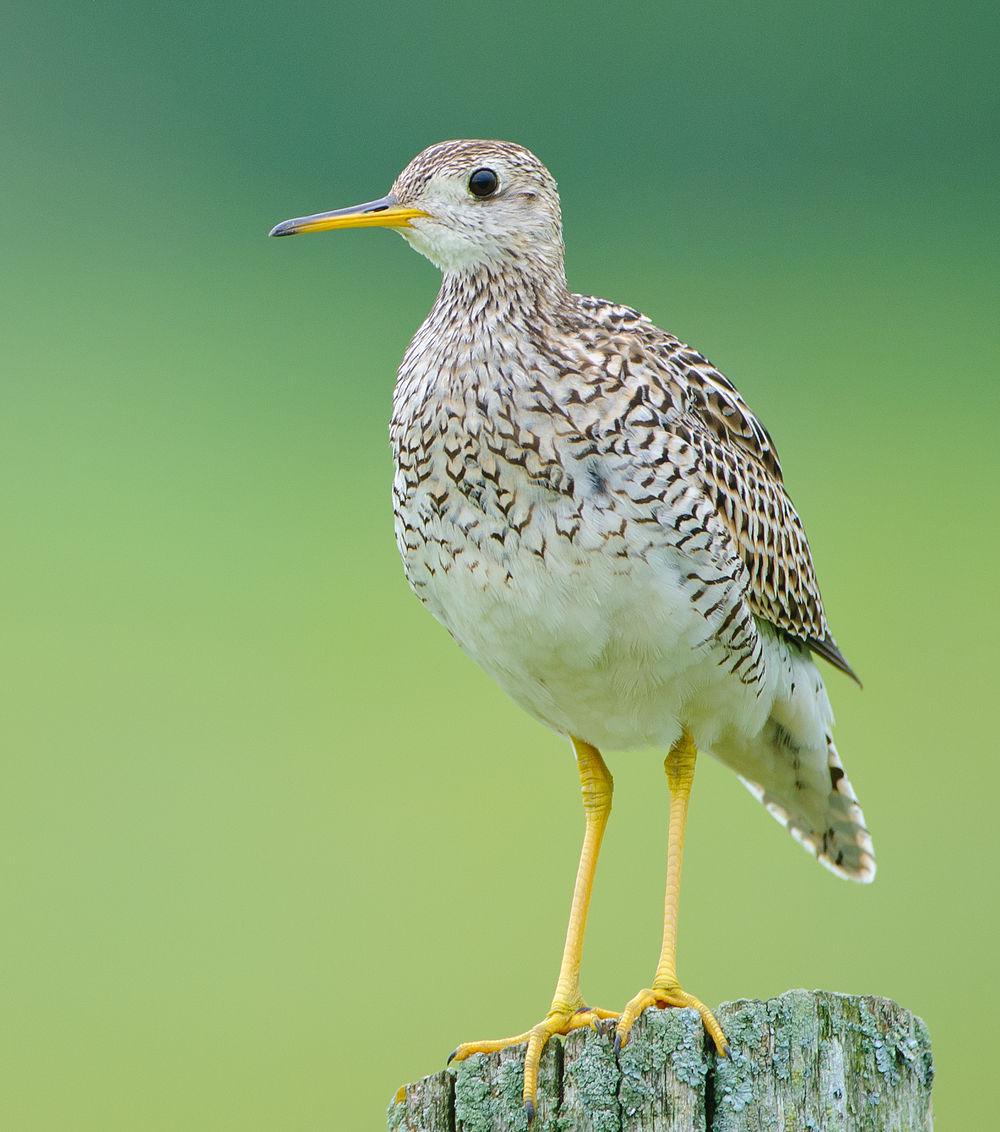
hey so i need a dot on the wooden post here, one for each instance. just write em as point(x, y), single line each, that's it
point(808, 1060)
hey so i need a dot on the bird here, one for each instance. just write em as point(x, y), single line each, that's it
point(600, 521)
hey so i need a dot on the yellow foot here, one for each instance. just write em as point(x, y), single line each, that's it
point(669, 996)
point(555, 1022)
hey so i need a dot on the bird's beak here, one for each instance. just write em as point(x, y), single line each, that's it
point(383, 213)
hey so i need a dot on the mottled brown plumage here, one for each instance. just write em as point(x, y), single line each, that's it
point(601, 522)
point(558, 454)
point(643, 379)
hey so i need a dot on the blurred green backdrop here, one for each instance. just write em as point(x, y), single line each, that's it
point(271, 845)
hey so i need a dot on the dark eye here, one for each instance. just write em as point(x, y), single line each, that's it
point(483, 183)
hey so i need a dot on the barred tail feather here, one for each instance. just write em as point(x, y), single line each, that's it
point(806, 790)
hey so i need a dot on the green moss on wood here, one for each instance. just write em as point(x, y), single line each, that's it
point(663, 1070)
point(590, 1084)
point(488, 1092)
point(823, 1061)
point(802, 1062)
point(426, 1107)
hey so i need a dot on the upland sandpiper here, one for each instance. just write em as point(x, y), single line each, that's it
point(596, 516)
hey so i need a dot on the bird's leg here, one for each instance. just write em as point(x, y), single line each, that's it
point(666, 989)
point(568, 1010)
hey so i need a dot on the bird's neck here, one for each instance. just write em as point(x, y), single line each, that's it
point(518, 294)
point(482, 314)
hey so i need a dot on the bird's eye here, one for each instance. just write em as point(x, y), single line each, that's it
point(483, 183)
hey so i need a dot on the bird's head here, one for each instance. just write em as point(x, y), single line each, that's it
point(464, 205)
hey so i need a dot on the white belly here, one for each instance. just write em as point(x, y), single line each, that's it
point(606, 648)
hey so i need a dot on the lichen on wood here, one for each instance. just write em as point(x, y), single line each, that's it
point(806, 1061)
point(825, 1062)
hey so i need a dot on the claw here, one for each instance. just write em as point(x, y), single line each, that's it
point(451, 1056)
point(727, 1051)
point(669, 996)
point(560, 1021)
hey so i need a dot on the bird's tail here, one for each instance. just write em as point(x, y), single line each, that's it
point(804, 787)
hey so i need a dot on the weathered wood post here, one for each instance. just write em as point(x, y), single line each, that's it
point(807, 1061)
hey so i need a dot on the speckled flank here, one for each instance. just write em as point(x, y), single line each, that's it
point(596, 515)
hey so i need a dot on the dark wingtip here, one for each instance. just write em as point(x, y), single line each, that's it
point(827, 649)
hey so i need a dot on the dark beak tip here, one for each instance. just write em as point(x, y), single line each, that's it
point(283, 229)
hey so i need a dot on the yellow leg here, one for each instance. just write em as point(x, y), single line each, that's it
point(666, 990)
point(568, 1011)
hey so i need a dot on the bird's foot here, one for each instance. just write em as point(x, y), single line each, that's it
point(559, 1020)
point(672, 995)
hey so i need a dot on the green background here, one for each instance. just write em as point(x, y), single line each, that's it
point(270, 844)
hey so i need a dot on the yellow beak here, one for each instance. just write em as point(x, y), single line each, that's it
point(383, 213)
